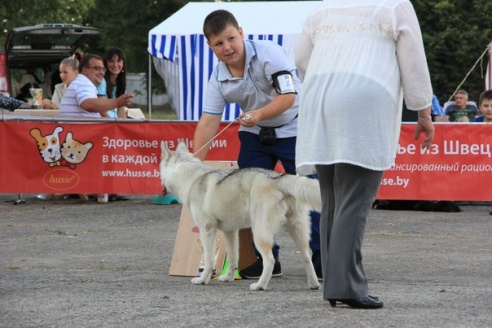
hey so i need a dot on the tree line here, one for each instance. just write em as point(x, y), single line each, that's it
point(455, 32)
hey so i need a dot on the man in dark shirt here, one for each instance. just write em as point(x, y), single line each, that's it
point(461, 110)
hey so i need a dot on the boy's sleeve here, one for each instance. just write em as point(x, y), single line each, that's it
point(214, 102)
point(277, 61)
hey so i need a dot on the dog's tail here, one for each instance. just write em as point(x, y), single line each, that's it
point(303, 189)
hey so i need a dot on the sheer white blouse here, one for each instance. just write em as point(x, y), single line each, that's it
point(359, 58)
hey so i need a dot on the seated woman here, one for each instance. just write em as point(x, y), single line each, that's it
point(114, 83)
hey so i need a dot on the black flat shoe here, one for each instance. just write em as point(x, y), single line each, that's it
point(115, 198)
point(359, 303)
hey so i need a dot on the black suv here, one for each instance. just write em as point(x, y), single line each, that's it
point(32, 56)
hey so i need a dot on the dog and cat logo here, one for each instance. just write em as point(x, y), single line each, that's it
point(70, 153)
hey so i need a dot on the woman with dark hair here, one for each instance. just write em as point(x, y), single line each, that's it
point(112, 86)
point(114, 83)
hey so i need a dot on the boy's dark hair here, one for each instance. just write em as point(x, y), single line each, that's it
point(85, 61)
point(217, 21)
point(487, 94)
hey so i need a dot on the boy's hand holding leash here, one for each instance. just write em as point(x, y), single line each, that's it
point(247, 120)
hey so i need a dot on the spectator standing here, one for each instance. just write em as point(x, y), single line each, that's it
point(112, 86)
point(114, 83)
point(356, 57)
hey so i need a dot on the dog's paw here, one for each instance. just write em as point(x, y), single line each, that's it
point(225, 278)
point(256, 286)
point(314, 286)
point(199, 281)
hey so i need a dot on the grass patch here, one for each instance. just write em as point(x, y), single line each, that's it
point(162, 112)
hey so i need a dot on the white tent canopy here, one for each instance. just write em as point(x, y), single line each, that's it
point(183, 59)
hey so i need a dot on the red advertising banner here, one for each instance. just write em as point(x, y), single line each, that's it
point(458, 166)
point(123, 157)
point(93, 158)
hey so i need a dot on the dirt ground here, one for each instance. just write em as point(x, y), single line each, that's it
point(65, 263)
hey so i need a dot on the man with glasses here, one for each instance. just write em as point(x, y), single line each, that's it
point(81, 98)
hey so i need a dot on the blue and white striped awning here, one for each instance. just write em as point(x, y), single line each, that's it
point(184, 60)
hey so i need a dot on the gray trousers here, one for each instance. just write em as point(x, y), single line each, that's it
point(347, 193)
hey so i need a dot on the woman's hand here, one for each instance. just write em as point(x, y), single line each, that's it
point(427, 128)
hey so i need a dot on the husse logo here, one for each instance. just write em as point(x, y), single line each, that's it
point(63, 157)
point(61, 179)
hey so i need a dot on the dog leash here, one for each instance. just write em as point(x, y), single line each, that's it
point(218, 134)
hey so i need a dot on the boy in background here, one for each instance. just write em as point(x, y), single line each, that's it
point(485, 107)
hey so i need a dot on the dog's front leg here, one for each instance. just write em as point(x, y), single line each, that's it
point(207, 237)
point(232, 249)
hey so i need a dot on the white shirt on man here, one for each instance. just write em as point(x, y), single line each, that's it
point(77, 92)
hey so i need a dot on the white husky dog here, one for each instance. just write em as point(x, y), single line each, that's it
point(230, 200)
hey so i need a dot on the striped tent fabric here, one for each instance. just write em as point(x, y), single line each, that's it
point(185, 62)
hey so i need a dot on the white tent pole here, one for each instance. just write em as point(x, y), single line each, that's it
point(149, 88)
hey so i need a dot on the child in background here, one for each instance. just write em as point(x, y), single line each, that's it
point(69, 69)
point(485, 107)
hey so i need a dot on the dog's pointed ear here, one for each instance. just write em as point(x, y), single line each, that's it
point(182, 148)
point(164, 150)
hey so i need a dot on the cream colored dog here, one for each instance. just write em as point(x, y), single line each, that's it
point(230, 200)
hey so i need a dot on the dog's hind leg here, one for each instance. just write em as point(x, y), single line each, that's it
point(207, 238)
point(266, 220)
point(264, 247)
point(299, 228)
point(232, 249)
point(264, 240)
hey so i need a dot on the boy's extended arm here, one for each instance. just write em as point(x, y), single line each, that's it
point(207, 127)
